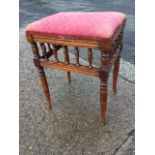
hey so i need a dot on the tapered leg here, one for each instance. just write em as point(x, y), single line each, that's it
point(44, 85)
point(103, 84)
point(115, 74)
point(103, 101)
point(119, 45)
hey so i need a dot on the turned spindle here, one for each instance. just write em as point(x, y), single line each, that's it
point(43, 48)
point(49, 47)
point(55, 53)
point(66, 55)
point(67, 61)
point(77, 56)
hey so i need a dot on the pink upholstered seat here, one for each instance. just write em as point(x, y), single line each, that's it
point(79, 25)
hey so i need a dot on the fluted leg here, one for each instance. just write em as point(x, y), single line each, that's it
point(115, 74)
point(44, 85)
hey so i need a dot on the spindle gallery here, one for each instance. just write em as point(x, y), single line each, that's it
point(100, 30)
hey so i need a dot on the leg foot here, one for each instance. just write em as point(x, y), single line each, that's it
point(69, 77)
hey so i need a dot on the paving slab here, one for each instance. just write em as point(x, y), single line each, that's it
point(73, 126)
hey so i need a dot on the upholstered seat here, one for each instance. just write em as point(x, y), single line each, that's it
point(79, 25)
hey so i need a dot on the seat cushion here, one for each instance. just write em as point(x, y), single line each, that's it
point(79, 25)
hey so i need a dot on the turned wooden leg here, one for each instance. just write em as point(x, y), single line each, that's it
point(115, 74)
point(44, 85)
point(103, 84)
point(103, 101)
point(66, 57)
point(41, 73)
point(119, 45)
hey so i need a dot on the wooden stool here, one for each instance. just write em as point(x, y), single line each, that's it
point(101, 30)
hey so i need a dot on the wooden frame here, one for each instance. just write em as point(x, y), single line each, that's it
point(110, 55)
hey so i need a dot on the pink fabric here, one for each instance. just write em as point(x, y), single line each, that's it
point(88, 25)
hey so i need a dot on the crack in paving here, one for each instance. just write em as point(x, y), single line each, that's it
point(130, 134)
point(126, 79)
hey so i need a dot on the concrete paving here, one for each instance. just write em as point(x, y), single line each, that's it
point(73, 126)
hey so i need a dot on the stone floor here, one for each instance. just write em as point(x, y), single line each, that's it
point(73, 126)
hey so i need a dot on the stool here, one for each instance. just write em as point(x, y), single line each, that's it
point(100, 30)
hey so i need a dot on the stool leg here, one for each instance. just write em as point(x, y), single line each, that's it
point(44, 85)
point(115, 74)
point(103, 101)
point(41, 73)
point(103, 84)
point(117, 62)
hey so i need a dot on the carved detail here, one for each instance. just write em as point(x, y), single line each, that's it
point(103, 86)
point(105, 61)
